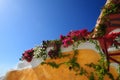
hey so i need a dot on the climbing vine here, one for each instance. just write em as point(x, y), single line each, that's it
point(52, 50)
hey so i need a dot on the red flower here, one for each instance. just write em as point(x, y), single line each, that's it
point(78, 34)
point(66, 42)
point(84, 33)
point(28, 55)
point(73, 36)
point(62, 37)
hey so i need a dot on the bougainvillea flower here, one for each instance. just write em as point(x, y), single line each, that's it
point(84, 32)
point(73, 36)
point(62, 37)
point(28, 55)
point(66, 42)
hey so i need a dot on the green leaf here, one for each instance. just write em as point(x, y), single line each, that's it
point(53, 64)
point(110, 76)
point(92, 76)
point(82, 71)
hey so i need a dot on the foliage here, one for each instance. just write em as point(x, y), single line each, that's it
point(118, 78)
point(97, 46)
point(101, 71)
point(52, 64)
point(74, 38)
point(100, 68)
point(110, 8)
point(40, 51)
point(56, 51)
point(73, 64)
point(100, 30)
point(113, 7)
point(92, 76)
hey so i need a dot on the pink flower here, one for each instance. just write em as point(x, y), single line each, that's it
point(62, 37)
point(66, 42)
point(83, 33)
point(73, 36)
point(28, 55)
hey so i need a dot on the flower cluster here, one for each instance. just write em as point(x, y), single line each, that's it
point(73, 36)
point(40, 51)
point(28, 55)
point(67, 41)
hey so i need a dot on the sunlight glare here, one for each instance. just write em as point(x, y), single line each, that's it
point(2, 4)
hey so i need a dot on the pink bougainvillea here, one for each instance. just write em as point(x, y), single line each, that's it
point(28, 55)
point(73, 36)
point(68, 41)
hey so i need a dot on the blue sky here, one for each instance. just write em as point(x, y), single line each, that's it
point(25, 23)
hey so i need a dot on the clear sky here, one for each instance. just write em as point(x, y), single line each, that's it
point(25, 23)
